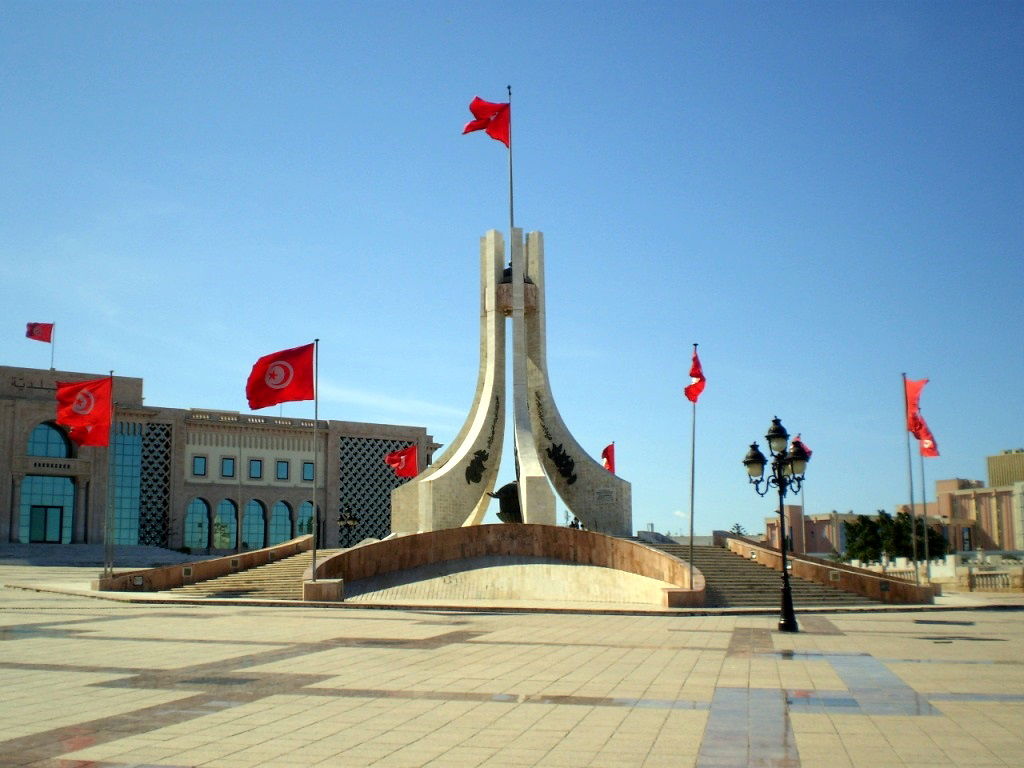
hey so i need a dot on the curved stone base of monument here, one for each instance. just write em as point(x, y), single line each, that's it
point(452, 491)
point(599, 499)
point(437, 553)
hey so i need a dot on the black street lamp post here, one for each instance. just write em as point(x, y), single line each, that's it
point(346, 524)
point(788, 467)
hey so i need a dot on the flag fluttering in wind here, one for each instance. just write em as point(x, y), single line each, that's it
point(608, 455)
point(281, 377)
point(405, 461)
point(798, 439)
point(697, 380)
point(84, 407)
point(494, 119)
point(916, 424)
point(39, 331)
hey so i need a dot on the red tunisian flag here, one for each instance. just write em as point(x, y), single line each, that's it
point(494, 119)
point(39, 331)
point(697, 380)
point(85, 406)
point(405, 461)
point(916, 424)
point(281, 378)
point(608, 454)
point(925, 442)
point(913, 391)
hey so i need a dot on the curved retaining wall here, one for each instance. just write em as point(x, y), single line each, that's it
point(838, 575)
point(171, 576)
point(523, 540)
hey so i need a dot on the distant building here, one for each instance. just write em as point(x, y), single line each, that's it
point(969, 514)
point(818, 535)
point(212, 481)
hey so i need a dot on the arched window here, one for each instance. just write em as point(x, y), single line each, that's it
point(50, 441)
point(197, 524)
point(253, 525)
point(225, 526)
point(304, 524)
point(280, 523)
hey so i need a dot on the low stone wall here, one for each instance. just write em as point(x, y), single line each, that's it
point(171, 576)
point(524, 540)
point(838, 575)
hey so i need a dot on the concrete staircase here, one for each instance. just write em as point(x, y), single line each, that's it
point(281, 580)
point(736, 582)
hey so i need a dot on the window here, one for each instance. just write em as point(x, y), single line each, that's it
point(253, 525)
point(199, 466)
point(224, 526)
point(307, 471)
point(280, 527)
point(47, 440)
point(227, 466)
point(282, 470)
point(197, 519)
point(255, 469)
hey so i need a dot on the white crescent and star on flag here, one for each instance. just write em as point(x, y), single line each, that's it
point(84, 403)
point(279, 374)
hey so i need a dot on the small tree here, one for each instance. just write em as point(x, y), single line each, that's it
point(738, 529)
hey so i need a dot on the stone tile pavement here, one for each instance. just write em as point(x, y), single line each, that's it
point(90, 682)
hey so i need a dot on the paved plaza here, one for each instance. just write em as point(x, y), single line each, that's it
point(90, 682)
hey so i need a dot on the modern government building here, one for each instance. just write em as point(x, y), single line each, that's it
point(209, 481)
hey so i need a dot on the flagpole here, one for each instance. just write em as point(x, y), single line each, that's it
point(53, 335)
point(240, 511)
point(316, 452)
point(511, 209)
point(924, 519)
point(693, 451)
point(108, 543)
point(910, 481)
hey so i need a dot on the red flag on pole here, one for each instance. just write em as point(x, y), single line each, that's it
point(916, 424)
point(608, 454)
point(493, 119)
point(85, 406)
point(281, 377)
point(697, 380)
point(798, 439)
point(405, 461)
point(39, 331)
point(925, 442)
point(913, 392)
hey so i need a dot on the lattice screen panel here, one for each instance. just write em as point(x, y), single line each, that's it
point(364, 487)
point(155, 490)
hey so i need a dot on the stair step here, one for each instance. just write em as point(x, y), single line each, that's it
point(735, 581)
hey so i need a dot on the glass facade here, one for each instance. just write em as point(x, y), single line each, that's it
point(280, 528)
point(197, 524)
point(253, 525)
point(126, 452)
point(225, 526)
point(47, 509)
point(304, 524)
point(48, 440)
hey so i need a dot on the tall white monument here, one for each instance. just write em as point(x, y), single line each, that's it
point(455, 490)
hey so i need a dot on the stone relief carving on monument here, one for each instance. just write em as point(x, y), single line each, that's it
point(475, 470)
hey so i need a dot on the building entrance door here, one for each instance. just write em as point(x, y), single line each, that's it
point(45, 524)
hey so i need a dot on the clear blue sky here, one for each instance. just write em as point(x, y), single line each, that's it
point(823, 195)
